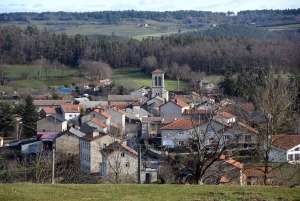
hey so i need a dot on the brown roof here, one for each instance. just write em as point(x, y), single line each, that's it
point(226, 115)
point(195, 93)
point(181, 124)
point(179, 102)
point(90, 137)
point(248, 127)
point(221, 122)
point(72, 108)
point(52, 110)
point(232, 162)
point(257, 171)
point(115, 146)
point(51, 102)
point(101, 112)
point(120, 106)
point(195, 111)
point(118, 110)
point(158, 71)
point(286, 142)
point(100, 123)
point(41, 97)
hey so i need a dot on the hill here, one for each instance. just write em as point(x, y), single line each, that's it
point(28, 191)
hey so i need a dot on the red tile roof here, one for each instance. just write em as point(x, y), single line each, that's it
point(226, 115)
point(179, 102)
point(248, 127)
point(52, 110)
point(257, 171)
point(232, 162)
point(116, 146)
point(286, 142)
point(181, 124)
point(195, 93)
point(118, 110)
point(101, 112)
point(158, 71)
point(72, 108)
point(100, 123)
point(221, 122)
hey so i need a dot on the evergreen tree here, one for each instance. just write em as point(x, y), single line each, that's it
point(7, 124)
point(29, 117)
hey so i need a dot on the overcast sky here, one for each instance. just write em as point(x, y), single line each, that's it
point(151, 5)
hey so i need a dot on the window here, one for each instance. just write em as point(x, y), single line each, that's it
point(122, 154)
point(70, 115)
point(104, 145)
point(127, 164)
point(118, 164)
point(297, 157)
point(290, 157)
point(180, 133)
point(181, 143)
point(247, 138)
point(297, 149)
point(227, 137)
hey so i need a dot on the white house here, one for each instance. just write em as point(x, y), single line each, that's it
point(225, 117)
point(173, 108)
point(117, 116)
point(285, 148)
point(71, 112)
point(207, 105)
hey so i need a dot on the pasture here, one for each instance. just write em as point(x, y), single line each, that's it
point(164, 192)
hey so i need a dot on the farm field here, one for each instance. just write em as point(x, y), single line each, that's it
point(135, 79)
point(29, 191)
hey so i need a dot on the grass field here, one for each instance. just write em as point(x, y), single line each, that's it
point(135, 79)
point(27, 191)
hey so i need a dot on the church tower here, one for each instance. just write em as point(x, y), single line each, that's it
point(158, 85)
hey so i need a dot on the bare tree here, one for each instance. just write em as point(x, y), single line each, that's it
point(38, 67)
point(274, 97)
point(4, 71)
point(95, 70)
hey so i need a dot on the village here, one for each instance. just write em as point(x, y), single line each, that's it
point(153, 136)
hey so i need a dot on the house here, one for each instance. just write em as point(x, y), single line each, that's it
point(240, 136)
point(153, 105)
point(140, 92)
point(71, 112)
point(178, 133)
point(150, 127)
point(225, 117)
point(205, 86)
point(137, 112)
point(48, 139)
point(285, 148)
point(207, 105)
point(67, 143)
point(255, 175)
point(31, 147)
point(90, 146)
point(197, 114)
point(40, 104)
point(89, 126)
point(50, 111)
point(52, 123)
point(98, 114)
point(117, 116)
point(119, 164)
point(173, 108)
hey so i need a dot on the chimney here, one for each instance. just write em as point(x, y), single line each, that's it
point(95, 133)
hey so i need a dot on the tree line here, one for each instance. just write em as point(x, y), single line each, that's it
point(199, 54)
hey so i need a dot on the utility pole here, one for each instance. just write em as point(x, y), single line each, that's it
point(177, 84)
point(53, 164)
point(139, 164)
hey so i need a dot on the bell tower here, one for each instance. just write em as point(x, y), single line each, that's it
point(158, 85)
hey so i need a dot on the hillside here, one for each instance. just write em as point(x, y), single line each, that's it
point(27, 191)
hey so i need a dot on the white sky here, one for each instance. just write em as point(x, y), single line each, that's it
point(151, 5)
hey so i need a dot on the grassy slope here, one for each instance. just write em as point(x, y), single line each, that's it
point(27, 191)
point(135, 79)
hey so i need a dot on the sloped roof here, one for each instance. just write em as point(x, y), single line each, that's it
point(232, 162)
point(257, 171)
point(52, 110)
point(285, 141)
point(196, 111)
point(165, 120)
point(120, 106)
point(118, 110)
point(158, 71)
point(180, 124)
point(89, 137)
point(51, 102)
point(57, 117)
point(248, 127)
point(76, 132)
point(226, 115)
point(48, 135)
point(115, 146)
point(100, 123)
point(101, 112)
point(72, 108)
point(221, 122)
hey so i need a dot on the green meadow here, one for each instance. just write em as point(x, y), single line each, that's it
point(163, 192)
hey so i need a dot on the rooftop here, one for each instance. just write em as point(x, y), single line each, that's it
point(101, 112)
point(285, 141)
point(158, 71)
point(180, 124)
point(72, 108)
